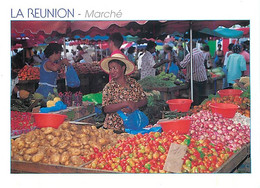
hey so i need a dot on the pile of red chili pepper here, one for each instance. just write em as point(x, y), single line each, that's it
point(147, 154)
point(21, 122)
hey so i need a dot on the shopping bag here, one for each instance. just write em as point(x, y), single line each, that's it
point(136, 120)
point(145, 130)
point(93, 97)
point(174, 69)
point(72, 77)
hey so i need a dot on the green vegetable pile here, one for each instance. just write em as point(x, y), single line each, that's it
point(164, 76)
point(150, 82)
point(154, 107)
point(175, 114)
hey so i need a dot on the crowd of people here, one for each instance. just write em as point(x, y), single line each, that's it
point(123, 92)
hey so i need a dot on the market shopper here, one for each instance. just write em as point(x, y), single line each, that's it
point(170, 60)
point(49, 68)
point(147, 62)
point(228, 53)
point(218, 57)
point(207, 60)
point(236, 65)
point(246, 55)
point(83, 55)
point(130, 54)
point(122, 92)
point(199, 73)
point(181, 52)
point(115, 41)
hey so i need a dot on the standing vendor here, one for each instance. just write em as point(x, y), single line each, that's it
point(199, 73)
point(122, 92)
point(49, 68)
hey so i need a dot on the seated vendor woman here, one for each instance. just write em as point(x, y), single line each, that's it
point(122, 92)
point(49, 68)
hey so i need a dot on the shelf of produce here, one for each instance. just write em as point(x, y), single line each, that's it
point(30, 167)
point(169, 92)
point(214, 84)
point(233, 162)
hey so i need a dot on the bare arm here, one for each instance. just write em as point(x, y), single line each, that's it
point(127, 106)
point(55, 66)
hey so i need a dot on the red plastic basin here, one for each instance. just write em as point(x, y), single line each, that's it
point(182, 105)
point(48, 120)
point(225, 109)
point(181, 126)
point(230, 92)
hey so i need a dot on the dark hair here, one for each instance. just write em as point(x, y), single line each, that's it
point(167, 47)
point(244, 46)
point(121, 63)
point(131, 50)
point(236, 48)
point(117, 39)
point(230, 46)
point(52, 48)
point(206, 48)
point(79, 47)
point(13, 74)
point(150, 45)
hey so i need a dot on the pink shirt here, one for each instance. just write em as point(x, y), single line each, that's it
point(246, 55)
point(118, 52)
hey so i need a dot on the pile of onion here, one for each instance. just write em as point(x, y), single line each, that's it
point(212, 126)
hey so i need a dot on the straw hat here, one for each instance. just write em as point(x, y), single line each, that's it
point(130, 67)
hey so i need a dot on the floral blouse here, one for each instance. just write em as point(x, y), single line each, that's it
point(114, 93)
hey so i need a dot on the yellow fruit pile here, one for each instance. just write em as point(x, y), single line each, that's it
point(51, 103)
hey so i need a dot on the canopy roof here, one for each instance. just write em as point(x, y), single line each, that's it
point(141, 28)
point(229, 33)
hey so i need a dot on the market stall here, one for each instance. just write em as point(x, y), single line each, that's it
point(220, 142)
point(211, 142)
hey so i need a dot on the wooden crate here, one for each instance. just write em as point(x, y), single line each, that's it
point(30, 167)
point(231, 164)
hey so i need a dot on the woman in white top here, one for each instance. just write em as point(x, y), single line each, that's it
point(230, 46)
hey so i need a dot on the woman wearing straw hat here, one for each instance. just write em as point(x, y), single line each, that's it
point(122, 92)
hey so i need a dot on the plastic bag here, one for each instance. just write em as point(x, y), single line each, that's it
point(93, 97)
point(174, 69)
point(143, 131)
point(72, 77)
point(136, 120)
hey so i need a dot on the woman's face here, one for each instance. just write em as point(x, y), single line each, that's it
point(57, 55)
point(115, 70)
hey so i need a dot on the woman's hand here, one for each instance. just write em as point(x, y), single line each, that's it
point(132, 105)
point(65, 61)
point(126, 110)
